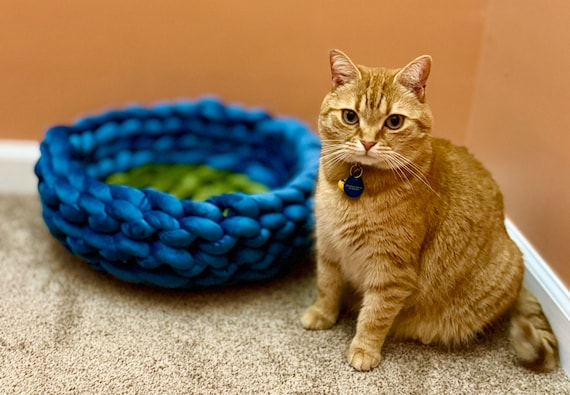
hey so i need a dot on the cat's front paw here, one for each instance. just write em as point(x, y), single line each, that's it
point(362, 359)
point(315, 319)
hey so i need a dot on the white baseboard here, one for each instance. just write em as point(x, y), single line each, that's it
point(17, 159)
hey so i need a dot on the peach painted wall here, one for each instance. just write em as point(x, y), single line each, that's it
point(520, 120)
point(61, 59)
point(499, 82)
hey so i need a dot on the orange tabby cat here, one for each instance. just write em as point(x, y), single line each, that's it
point(411, 223)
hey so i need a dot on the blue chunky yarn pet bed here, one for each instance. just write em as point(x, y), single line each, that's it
point(143, 235)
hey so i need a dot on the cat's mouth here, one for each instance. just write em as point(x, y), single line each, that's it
point(377, 160)
point(366, 159)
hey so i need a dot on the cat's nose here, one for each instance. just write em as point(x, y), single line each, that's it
point(367, 144)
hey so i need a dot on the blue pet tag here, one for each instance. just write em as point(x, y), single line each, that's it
point(353, 186)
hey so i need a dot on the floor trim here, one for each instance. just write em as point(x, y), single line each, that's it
point(17, 159)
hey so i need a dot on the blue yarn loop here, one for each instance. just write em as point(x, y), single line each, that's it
point(148, 236)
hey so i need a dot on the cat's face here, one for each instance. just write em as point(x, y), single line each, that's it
point(375, 116)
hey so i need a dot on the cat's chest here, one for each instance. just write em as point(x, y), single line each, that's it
point(359, 234)
point(353, 240)
point(353, 226)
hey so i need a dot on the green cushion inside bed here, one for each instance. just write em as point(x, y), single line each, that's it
point(196, 182)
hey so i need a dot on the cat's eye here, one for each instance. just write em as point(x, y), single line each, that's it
point(394, 121)
point(350, 117)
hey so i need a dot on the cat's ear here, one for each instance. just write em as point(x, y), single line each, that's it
point(415, 75)
point(342, 69)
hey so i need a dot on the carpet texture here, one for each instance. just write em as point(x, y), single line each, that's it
point(65, 329)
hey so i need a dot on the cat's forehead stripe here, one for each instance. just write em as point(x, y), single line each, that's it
point(361, 103)
point(376, 89)
point(376, 98)
point(383, 105)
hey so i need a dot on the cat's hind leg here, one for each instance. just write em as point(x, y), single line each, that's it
point(323, 314)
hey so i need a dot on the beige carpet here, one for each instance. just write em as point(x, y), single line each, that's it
point(67, 329)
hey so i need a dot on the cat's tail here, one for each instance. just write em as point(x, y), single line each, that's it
point(531, 336)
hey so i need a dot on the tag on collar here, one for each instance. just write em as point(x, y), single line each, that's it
point(353, 186)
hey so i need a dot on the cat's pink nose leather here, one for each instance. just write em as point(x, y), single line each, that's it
point(367, 144)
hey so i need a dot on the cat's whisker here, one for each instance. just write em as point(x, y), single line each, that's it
point(417, 175)
point(409, 162)
point(414, 170)
point(332, 152)
point(329, 149)
point(335, 157)
point(397, 169)
point(331, 145)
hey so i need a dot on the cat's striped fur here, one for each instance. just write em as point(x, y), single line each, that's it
point(425, 245)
